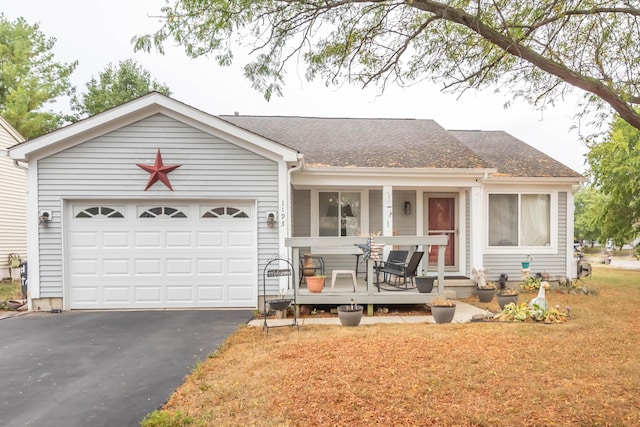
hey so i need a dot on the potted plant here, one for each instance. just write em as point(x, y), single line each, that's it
point(351, 314)
point(486, 291)
point(279, 304)
point(425, 284)
point(443, 310)
point(505, 296)
point(530, 283)
point(527, 261)
point(315, 284)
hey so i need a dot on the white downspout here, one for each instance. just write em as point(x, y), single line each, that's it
point(289, 231)
point(19, 166)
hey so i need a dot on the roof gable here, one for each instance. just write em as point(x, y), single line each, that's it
point(139, 109)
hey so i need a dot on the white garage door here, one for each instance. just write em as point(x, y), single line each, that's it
point(161, 255)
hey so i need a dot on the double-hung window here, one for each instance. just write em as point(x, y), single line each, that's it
point(339, 213)
point(520, 220)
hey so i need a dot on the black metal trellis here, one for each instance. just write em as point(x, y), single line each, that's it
point(278, 304)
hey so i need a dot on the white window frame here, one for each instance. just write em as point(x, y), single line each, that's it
point(552, 248)
point(314, 222)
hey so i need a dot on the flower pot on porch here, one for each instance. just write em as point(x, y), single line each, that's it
point(525, 265)
point(425, 284)
point(350, 315)
point(486, 295)
point(443, 313)
point(315, 284)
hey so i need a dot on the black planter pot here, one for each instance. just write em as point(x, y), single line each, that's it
point(503, 300)
point(350, 316)
point(443, 314)
point(425, 284)
point(279, 304)
point(486, 295)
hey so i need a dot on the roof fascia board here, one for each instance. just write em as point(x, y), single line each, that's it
point(458, 172)
point(87, 129)
point(139, 109)
point(237, 135)
point(11, 130)
point(552, 180)
point(310, 181)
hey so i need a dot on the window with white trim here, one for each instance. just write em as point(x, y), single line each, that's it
point(99, 212)
point(224, 212)
point(162, 212)
point(520, 219)
point(339, 213)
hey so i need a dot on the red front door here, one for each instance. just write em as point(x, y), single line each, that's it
point(441, 219)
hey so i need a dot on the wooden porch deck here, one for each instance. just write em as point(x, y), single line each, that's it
point(343, 293)
point(366, 291)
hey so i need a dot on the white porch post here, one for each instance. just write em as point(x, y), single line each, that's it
point(387, 210)
point(477, 225)
point(387, 230)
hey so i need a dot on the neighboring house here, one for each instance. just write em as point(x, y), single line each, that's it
point(13, 205)
point(156, 204)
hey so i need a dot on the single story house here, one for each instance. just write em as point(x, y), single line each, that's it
point(156, 204)
point(13, 223)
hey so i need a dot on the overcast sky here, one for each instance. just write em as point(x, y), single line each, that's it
point(99, 32)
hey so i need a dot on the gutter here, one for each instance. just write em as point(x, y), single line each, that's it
point(19, 166)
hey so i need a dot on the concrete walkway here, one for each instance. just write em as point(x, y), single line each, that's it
point(464, 314)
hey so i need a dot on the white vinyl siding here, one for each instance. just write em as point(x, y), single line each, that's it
point(403, 224)
point(301, 213)
point(105, 168)
point(13, 215)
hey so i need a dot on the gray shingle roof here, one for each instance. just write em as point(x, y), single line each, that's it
point(401, 143)
point(364, 143)
point(510, 156)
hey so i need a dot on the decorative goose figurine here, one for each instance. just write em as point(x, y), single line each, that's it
point(540, 300)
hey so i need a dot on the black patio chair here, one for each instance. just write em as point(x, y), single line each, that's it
point(403, 276)
point(396, 260)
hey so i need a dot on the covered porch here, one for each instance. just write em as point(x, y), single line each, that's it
point(366, 292)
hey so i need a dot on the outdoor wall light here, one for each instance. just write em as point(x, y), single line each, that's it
point(271, 220)
point(45, 217)
point(407, 208)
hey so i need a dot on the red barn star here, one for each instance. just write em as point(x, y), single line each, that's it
point(158, 171)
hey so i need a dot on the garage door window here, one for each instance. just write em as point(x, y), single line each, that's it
point(100, 212)
point(224, 212)
point(162, 212)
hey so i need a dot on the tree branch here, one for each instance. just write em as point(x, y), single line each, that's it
point(514, 48)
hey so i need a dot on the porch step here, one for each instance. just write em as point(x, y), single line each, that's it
point(461, 287)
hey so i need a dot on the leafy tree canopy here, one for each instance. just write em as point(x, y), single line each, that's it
point(614, 169)
point(114, 86)
point(30, 78)
point(588, 215)
point(538, 50)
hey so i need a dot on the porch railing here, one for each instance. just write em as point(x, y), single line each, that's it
point(345, 244)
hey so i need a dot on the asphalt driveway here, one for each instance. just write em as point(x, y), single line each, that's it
point(101, 368)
